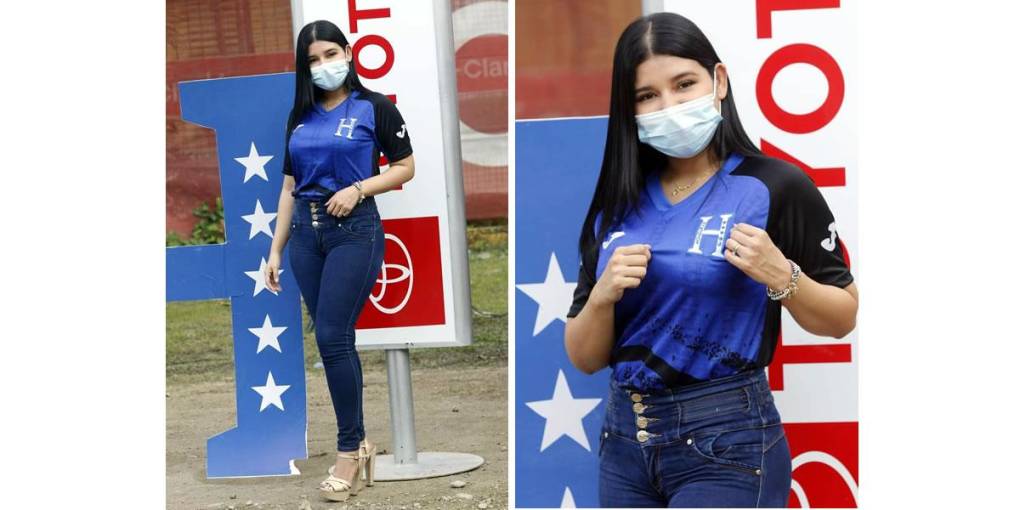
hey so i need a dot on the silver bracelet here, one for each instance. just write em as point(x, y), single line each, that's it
point(361, 194)
point(790, 289)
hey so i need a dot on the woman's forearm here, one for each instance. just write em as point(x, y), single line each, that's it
point(398, 173)
point(284, 211)
point(589, 337)
point(824, 310)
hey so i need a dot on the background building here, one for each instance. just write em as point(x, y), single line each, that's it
point(215, 39)
point(563, 68)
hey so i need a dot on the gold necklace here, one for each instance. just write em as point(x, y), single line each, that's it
point(678, 188)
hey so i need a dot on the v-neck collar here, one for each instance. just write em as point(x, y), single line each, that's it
point(658, 196)
point(318, 107)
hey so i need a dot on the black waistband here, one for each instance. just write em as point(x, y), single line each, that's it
point(326, 193)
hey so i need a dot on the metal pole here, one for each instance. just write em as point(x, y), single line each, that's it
point(450, 117)
point(651, 6)
point(398, 375)
point(297, 18)
point(406, 463)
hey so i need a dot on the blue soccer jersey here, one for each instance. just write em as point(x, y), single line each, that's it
point(329, 150)
point(695, 316)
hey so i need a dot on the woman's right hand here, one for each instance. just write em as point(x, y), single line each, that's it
point(272, 273)
point(625, 270)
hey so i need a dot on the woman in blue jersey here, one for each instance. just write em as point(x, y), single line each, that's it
point(693, 242)
point(335, 134)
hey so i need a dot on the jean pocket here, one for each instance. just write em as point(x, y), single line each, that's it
point(716, 404)
point(363, 225)
point(740, 448)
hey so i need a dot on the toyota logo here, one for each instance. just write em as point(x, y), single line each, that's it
point(392, 274)
point(828, 460)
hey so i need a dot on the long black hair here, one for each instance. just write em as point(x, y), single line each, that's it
point(306, 93)
point(626, 161)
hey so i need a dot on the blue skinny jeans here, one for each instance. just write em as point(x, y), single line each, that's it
point(335, 262)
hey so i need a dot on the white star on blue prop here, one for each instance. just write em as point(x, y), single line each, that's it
point(254, 164)
point(568, 499)
point(563, 414)
point(259, 221)
point(271, 393)
point(259, 275)
point(269, 335)
point(553, 296)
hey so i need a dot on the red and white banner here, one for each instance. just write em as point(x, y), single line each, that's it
point(792, 66)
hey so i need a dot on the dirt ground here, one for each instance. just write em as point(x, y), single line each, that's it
point(456, 409)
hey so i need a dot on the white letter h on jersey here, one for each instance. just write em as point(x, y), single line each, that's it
point(719, 239)
point(348, 124)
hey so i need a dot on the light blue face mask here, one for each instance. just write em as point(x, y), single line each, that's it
point(331, 75)
point(683, 130)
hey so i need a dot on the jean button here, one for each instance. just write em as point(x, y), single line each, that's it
point(315, 224)
point(634, 397)
point(642, 435)
point(642, 422)
point(690, 441)
point(639, 407)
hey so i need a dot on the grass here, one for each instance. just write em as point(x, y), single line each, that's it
point(199, 346)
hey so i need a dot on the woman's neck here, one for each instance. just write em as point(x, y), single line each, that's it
point(688, 168)
point(334, 97)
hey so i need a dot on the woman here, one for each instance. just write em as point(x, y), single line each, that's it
point(693, 241)
point(334, 136)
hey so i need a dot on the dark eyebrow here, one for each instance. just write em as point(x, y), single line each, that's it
point(675, 78)
point(327, 51)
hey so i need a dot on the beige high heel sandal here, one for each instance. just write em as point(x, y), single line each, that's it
point(338, 489)
point(367, 450)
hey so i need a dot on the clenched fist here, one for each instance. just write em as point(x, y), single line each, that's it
point(751, 250)
point(625, 270)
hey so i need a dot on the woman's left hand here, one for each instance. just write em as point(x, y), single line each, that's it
point(341, 203)
point(751, 250)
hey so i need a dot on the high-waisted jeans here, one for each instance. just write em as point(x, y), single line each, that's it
point(336, 261)
point(719, 443)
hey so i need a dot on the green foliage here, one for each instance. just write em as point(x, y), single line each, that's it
point(208, 230)
point(174, 239)
point(487, 235)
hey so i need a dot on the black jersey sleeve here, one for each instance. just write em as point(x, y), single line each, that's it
point(585, 280)
point(390, 129)
point(586, 274)
point(287, 170)
point(806, 231)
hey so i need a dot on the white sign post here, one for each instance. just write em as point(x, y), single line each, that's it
point(405, 50)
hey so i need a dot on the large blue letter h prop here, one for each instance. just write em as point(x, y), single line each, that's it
point(249, 116)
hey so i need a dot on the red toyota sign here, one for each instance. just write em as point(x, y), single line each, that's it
point(409, 288)
point(824, 464)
